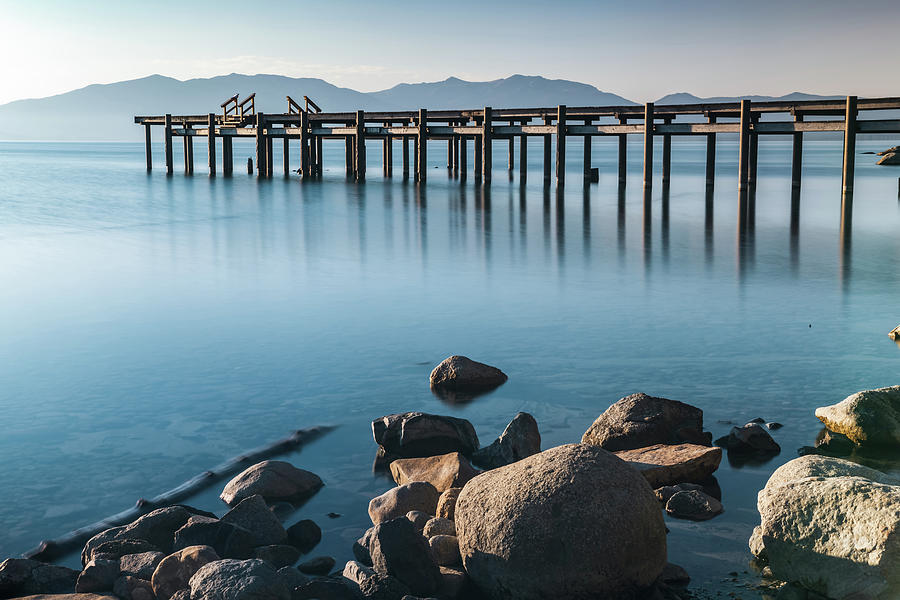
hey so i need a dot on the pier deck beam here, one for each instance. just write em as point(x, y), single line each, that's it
point(211, 143)
point(711, 156)
point(744, 147)
point(561, 145)
point(147, 147)
point(648, 146)
point(797, 156)
point(422, 161)
point(167, 133)
point(849, 145)
point(360, 146)
point(623, 154)
point(487, 157)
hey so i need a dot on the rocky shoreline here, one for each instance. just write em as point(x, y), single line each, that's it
point(508, 520)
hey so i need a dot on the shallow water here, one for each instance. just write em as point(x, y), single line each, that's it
point(155, 326)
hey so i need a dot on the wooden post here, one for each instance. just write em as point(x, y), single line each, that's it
point(270, 157)
point(849, 144)
point(744, 151)
point(415, 150)
point(147, 149)
point(711, 156)
point(286, 155)
point(188, 150)
point(623, 154)
point(168, 144)
point(360, 146)
point(523, 157)
point(423, 144)
point(320, 156)
point(648, 146)
point(753, 158)
point(487, 157)
point(512, 153)
point(211, 142)
point(304, 145)
point(561, 145)
point(547, 150)
point(587, 156)
point(450, 152)
point(389, 147)
point(463, 158)
point(478, 166)
point(405, 141)
point(667, 158)
point(386, 154)
point(227, 155)
point(260, 145)
point(456, 141)
point(797, 155)
point(312, 155)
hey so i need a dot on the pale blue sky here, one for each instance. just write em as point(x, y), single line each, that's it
point(640, 50)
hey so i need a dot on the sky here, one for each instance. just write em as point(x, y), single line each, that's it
point(639, 50)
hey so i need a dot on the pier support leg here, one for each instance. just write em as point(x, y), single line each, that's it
point(360, 146)
point(423, 145)
point(386, 155)
point(188, 151)
point(147, 148)
point(487, 155)
point(711, 157)
point(547, 151)
point(304, 146)
point(463, 158)
point(211, 142)
point(450, 153)
point(270, 157)
point(349, 157)
point(523, 158)
point(667, 160)
point(456, 141)
point(587, 156)
point(405, 141)
point(849, 144)
point(753, 159)
point(797, 157)
point(744, 147)
point(260, 145)
point(389, 144)
point(561, 145)
point(286, 156)
point(623, 154)
point(477, 167)
point(227, 156)
point(415, 149)
point(512, 154)
point(168, 144)
point(648, 146)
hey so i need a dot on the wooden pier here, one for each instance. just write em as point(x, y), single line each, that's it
point(312, 128)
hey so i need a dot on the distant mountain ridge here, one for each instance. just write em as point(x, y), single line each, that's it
point(105, 111)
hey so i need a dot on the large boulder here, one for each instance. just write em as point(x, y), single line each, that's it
point(23, 576)
point(459, 373)
point(373, 585)
point(639, 420)
point(127, 587)
point(571, 522)
point(826, 526)
point(416, 434)
point(140, 565)
point(396, 502)
point(231, 579)
point(519, 440)
point(664, 464)
point(273, 480)
point(443, 472)
point(254, 515)
point(397, 549)
point(99, 575)
point(175, 571)
point(228, 540)
point(867, 417)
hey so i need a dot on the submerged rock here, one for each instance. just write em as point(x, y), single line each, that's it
point(417, 434)
point(519, 440)
point(443, 472)
point(273, 480)
point(694, 505)
point(304, 535)
point(670, 464)
point(396, 502)
point(752, 438)
point(23, 576)
point(867, 417)
point(889, 158)
point(639, 420)
point(522, 528)
point(460, 373)
point(320, 565)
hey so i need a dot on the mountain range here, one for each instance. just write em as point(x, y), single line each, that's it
point(105, 111)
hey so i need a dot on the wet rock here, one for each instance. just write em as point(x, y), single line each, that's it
point(670, 464)
point(752, 438)
point(639, 420)
point(416, 434)
point(127, 587)
point(277, 555)
point(439, 526)
point(373, 585)
point(117, 548)
point(867, 417)
point(445, 550)
point(292, 578)
point(254, 515)
point(694, 505)
point(231, 579)
point(521, 527)
point(834, 443)
point(772, 425)
point(140, 565)
point(519, 440)
point(895, 334)
point(399, 550)
point(446, 506)
point(396, 502)
point(460, 373)
point(825, 466)
point(889, 158)
point(273, 480)
point(418, 518)
point(304, 535)
point(443, 472)
point(674, 576)
point(229, 541)
point(320, 565)
point(99, 575)
point(325, 589)
point(667, 491)
point(23, 576)
point(175, 571)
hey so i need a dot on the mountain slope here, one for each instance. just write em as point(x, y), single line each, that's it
point(686, 98)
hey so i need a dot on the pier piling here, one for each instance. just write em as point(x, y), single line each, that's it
point(849, 144)
point(487, 155)
point(711, 156)
point(422, 159)
point(667, 157)
point(168, 144)
point(797, 155)
point(623, 153)
point(360, 146)
point(211, 143)
point(147, 147)
point(648, 146)
point(561, 145)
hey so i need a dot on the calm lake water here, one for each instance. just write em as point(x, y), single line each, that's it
point(152, 327)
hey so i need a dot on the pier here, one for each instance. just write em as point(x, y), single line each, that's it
point(306, 123)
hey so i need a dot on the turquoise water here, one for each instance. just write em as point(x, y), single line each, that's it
point(152, 327)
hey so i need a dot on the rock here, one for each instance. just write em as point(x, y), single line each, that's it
point(828, 528)
point(439, 526)
point(867, 417)
point(373, 585)
point(752, 438)
point(320, 565)
point(772, 425)
point(416, 434)
point(889, 158)
point(443, 472)
point(23, 576)
point(99, 575)
point(639, 420)
point(670, 464)
point(273, 480)
point(277, 555)
point(674, 576)
point(325, 589)
point(127, 587)
point(231, 579)
point(418, 518)
point(67, 597)
point(396, 502)
point(667, 491)
point(895, 334)
point(459, 373)
point(140, 565)
point(694, 505)
point(522, 528)
point(174, 571)
point(229, 541)
point(445, 550)
point(446, 506)
point(117, 548)
point(399, 550)
point(453, 583)
point(184, 594)
point(304, 535)
point(292, 578)
point(254, 515)
point(362, 545)
point(520, 439)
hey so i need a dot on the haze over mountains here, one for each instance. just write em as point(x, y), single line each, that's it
point(106, 111)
